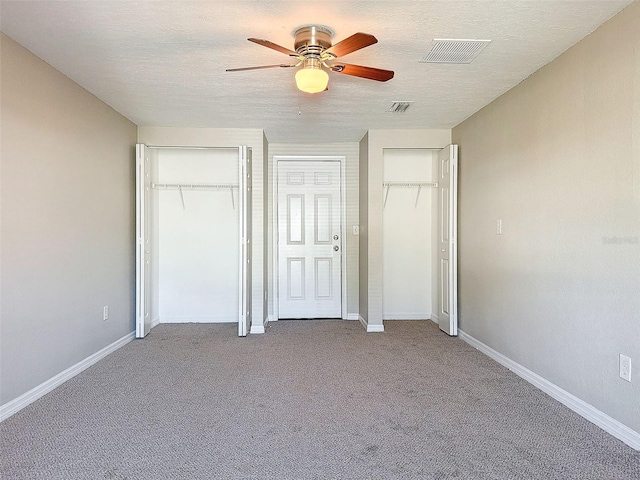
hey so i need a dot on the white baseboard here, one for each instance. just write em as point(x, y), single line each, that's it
point(405, 316)
point(154, 322)
point(256, 329)
point(589, 412)
point(435, 319)
point(197, 319)
point(371, 328)
point(34, 394)
point(353, 316)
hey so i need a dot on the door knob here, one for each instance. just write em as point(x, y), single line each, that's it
point(336, 237)
point(336, 248)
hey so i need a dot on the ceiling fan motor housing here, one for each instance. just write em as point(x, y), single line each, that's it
point(312, 40)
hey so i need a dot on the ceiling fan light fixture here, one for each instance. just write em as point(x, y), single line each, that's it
point(312, 78)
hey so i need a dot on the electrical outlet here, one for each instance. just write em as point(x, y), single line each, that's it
point(499, 227)
point(355, 230)
point(105, 312)
point(625, 368)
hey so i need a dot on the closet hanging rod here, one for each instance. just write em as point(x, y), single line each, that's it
point(173, 186)
point(410, 184)
point(388, 186)
point(188, 147)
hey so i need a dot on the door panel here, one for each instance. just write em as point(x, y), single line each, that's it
point(295, 272)
point(309, 239)
point(295, 219)
point(245, 186)
point(143, 241)
point(323, 278)
point(447, 235)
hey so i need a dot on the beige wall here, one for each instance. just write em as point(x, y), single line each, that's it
point(350, 152)
point(557, 159)
point(67, 210)
point(378, 140)
point(228, 137)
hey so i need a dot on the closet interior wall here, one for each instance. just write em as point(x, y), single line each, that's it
point(409, 271)
point(194, 229)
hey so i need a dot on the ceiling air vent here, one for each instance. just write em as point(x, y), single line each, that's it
point(399, 107)
point(444, 50)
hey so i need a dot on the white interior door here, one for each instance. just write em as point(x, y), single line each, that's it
point(244, 186)
point(447, 239)
point(143, 242)
point(309, 239)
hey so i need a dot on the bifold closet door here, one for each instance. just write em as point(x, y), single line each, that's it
point(447, 240)
point(143, 241)
point(198, 235)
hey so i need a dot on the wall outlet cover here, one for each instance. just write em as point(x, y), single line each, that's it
point(625, 368)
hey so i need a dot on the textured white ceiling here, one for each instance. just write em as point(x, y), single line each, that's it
point(163, 62)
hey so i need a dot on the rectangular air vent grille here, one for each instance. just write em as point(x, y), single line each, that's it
point(444, 50)
point(399, 107)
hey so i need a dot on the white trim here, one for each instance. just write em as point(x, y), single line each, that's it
point(435, 319)
point(370, 328)
point(343, 223)
point(405, 316)
point(352, 316)
point(198, 319)
point(343, 234)
point(155, 322)
point(17, 404)
point(256, 329)
point(589, 412)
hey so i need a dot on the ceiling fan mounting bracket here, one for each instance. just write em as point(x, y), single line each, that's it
point(312, 40)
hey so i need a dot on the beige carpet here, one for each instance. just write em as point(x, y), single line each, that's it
point(309, 399)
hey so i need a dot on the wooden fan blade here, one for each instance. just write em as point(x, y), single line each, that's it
point(365, 72)
point(282, 65)
point(268, 44)
point(351, 44)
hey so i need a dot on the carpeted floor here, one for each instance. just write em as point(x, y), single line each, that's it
point(309, 399)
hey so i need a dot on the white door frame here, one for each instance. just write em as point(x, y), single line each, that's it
point(244, 203)
point(343, 228)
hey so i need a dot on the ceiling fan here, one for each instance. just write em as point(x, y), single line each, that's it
point(316, 55)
